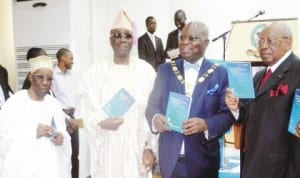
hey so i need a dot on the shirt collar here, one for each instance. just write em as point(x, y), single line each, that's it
point(280, 61)
point(195, 65)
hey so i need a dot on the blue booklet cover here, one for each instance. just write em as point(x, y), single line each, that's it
point(178, 110)
point(119, 104)
point(295, 114)
point(240, 79)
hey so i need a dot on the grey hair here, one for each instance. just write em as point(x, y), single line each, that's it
point(198, 29)
point(284, 29)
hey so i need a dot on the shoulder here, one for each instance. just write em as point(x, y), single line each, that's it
point(174, 32)
point(142, 64)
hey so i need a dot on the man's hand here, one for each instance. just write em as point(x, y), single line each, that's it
point(298, 130)
point(58, 140)
point(148, 158)
point(194, 125)
point(43, 131)
point(160, 123)
point(72, 125)
point(111, 123)
point(231, 100)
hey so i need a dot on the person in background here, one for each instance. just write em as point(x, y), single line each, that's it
point(63, 88)
point(150, 46)
point(31, 53)
point(171, 50)
point(117, 143)
point(268, 150)
point(5, 89)
point(195, 152)
point(34, 142)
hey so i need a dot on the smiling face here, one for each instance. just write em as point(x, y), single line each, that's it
point(41, 81)
point(274, 41)
point(193, 41)
point(121, 41)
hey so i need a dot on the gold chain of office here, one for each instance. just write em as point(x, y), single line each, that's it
point(201, 79)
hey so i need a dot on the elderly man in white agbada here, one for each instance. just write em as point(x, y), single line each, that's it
point(117, 143)
point(33, 138)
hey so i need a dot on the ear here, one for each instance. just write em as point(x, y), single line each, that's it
point(30, 77)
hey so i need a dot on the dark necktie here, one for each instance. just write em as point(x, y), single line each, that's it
point(265, 78)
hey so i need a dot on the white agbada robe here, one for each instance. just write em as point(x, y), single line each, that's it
point(117, 154)
point(23, 154)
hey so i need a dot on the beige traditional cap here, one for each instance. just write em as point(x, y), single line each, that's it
point(40, 62)
point(122, 21)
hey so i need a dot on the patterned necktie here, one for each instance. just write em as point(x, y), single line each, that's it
point(265, 78)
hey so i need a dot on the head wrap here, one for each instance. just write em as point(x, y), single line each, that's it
point(40, 62)
point(122, 21)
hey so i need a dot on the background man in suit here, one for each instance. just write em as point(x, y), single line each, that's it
point(195, 153)
point(5, 90)
point(150, 46)
point(268, 149)
point(172, 41)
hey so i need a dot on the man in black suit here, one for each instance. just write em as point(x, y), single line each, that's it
point(150, 46)
point(172, 41)
point(268, 150)
point(6, 90)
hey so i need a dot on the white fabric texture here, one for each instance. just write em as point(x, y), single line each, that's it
point(63, 87)
point(23, 154)
point(117, 154)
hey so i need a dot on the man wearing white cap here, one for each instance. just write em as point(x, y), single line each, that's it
point(117, 143)
point(33, 138)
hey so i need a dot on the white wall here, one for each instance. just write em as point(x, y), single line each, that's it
point(85, 24)
point(7, 55)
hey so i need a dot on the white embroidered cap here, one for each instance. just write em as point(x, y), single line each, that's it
point(40, 62)
point(122, 21)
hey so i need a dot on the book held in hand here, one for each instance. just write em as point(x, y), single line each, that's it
point(239, 77)
point(178, 110)
point(119, 104)
point(295, 114)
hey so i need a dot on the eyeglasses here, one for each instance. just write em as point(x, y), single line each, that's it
point(118, 35)
point(189, 38)
point(269, 41)
point(42, 77)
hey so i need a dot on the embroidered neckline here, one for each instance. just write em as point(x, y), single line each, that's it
point(201, 79)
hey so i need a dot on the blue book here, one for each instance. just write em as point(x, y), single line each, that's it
point(239, 77)
point(178, 110)
point(295, 114)
point(53, 134)
point(119, 104)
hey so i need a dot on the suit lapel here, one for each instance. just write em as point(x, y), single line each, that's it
point(149, 41)
point(199, 86)
point(275, 78)
point(179, 86)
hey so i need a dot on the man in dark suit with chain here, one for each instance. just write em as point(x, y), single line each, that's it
point(150, 47)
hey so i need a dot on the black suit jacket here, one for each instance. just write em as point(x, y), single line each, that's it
point(272, 152)
point(4, 82)
point(147, 51)
point(172, 41)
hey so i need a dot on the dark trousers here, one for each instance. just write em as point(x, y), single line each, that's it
point(180, 170)
point(75, 152)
